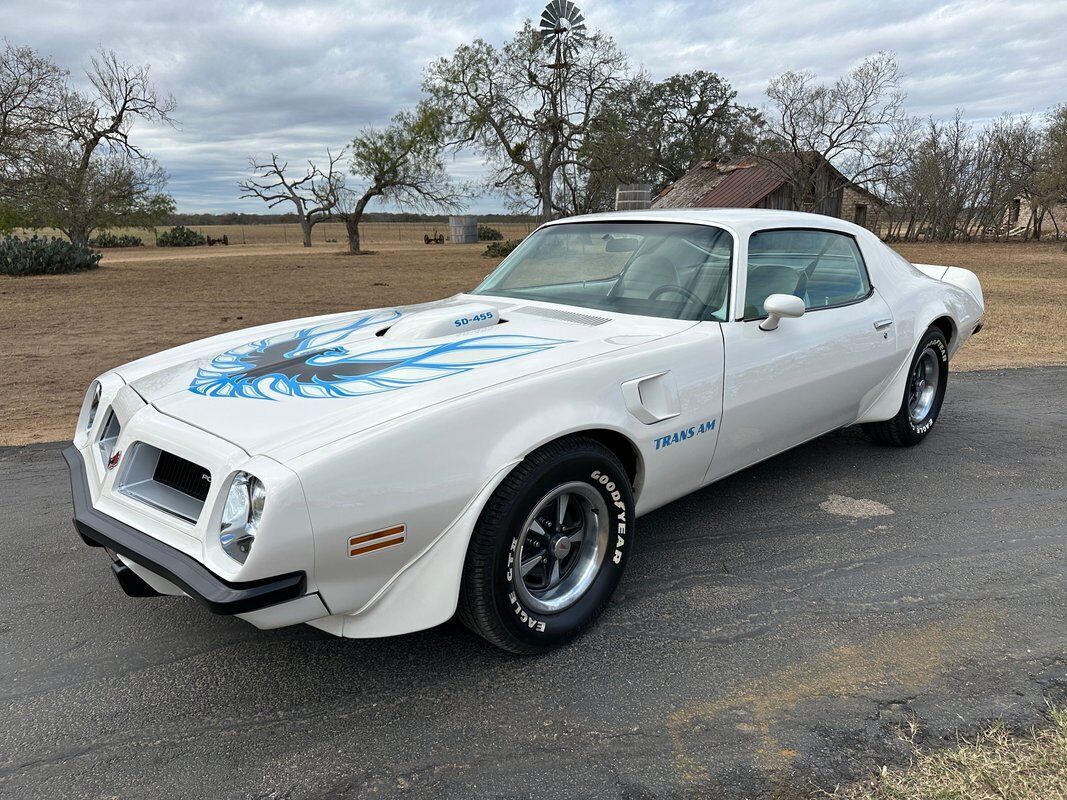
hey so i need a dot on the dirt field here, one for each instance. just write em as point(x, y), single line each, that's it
point(58, 332)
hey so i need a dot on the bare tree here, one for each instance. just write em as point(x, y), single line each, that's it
point(89, 172)
point(513, 107)
point(313, 196)
point(401, 164)
point(956, 181)
point(1048, 182)
point(31, 87)
point(813, 127)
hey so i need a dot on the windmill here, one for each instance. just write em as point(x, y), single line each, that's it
point(562, 27)
point(560, 19)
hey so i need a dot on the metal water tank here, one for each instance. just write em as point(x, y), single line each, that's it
point(463, 229)
point(633, 196)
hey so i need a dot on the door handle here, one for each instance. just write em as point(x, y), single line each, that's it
point(882, 324)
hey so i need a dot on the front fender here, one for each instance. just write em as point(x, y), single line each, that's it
point(430, 472)
point(433, 471)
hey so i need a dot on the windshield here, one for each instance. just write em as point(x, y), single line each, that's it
point(658, 269)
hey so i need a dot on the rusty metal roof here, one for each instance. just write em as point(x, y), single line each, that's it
point(737, 183)
point(742, 188)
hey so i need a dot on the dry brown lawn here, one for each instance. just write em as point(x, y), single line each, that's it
point(58, 332)
point(1025, 288)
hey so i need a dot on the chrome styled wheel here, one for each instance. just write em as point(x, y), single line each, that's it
point(549, 548)
point(923, 385)
point(561, 547)
point(924, 392)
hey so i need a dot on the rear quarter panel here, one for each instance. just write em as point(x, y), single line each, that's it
point(916, 300)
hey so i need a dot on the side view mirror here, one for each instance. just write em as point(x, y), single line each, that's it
point(778, 306)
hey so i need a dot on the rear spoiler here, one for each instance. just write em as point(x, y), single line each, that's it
point(957, 276)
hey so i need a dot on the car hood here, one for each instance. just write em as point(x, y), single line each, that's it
point(288, 388)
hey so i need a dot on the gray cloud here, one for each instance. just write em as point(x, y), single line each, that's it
point(299, 77)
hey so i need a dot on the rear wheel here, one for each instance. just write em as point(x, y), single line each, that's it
point(549, 548)
point(924, 393)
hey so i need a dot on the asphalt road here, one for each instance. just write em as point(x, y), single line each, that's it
point(774, 633)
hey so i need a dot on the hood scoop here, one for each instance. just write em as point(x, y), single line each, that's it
point(437, 322)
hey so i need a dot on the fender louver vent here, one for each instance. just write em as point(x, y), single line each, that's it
point(562, 316)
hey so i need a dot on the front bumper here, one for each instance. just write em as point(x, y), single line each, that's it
point(220, 596)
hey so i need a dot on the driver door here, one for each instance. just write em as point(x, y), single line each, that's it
point(813, 373)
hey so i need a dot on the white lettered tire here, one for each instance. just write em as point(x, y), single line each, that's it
point(550, 547)
point(924, 394)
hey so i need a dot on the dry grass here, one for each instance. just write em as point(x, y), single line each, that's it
point(995, 765)
point(58, 332)
point(1025, 289)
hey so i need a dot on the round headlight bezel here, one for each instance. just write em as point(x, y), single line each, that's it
point(242, 511)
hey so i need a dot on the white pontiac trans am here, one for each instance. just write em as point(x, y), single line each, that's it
point(377, 472)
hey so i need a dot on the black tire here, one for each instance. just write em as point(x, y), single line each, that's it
point(489, 602)
point(904, 429)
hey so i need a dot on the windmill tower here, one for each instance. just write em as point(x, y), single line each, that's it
point(562, 28)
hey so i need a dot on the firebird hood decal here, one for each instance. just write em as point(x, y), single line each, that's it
point(320, 362)
point(291, 387)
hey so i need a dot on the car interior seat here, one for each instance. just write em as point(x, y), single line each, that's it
point(768, 279)
point(646, 274)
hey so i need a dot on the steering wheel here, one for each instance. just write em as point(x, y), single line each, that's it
point(670, 287)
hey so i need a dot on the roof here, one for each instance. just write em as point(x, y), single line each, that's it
point(737, 183)
point(738, 220)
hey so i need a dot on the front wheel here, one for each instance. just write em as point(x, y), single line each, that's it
point(923, 394)
point(549, 548)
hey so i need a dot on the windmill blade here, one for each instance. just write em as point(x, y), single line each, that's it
point(549, 20)
point(562, 18)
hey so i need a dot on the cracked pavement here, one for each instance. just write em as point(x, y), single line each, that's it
point(776, 632)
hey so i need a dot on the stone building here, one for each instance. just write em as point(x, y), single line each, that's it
point(1019, 220)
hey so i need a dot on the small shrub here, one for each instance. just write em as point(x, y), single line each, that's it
point(44, 256)
point(180, 236)
point(108, 239)
point(501, 249)
point(487, 234)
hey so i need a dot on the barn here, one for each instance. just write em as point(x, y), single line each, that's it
point(751, 182)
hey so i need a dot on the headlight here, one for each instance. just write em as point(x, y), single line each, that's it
point(241, 515)
point(94, 405)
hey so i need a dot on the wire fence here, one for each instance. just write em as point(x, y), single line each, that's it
point(371, 233)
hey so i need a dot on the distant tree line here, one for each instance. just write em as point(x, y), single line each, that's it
point(558, 148)
point(555, 142)
point(953, 180)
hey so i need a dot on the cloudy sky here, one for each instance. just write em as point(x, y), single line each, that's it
point(296, 77)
